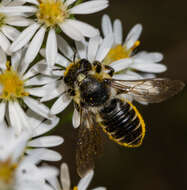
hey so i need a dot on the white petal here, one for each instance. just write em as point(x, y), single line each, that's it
point(14, 3)
point(4, 42)
point(2, 111)
point(38, 91)
point(5, 2)
point(151, 68)
point(89, 7)
point(15, 59)
point(56, 88)
point(37, 107)
point(93, 48)
point(153, 56)
point(85, 29)
point(85, 181)
point(15, 117)
point(38, 80)
point(22, 115)
point(62, 102)
point(118, 31)
point(69, 2)
point(48, 172)
point(54, 182)
point(10, 32)
point(35, 119)
point(14, 120)
point(35, 45)
point(3, 59)
point(106, 25)
point(76, 118)
point(105, 47)
point(148, 75)
point(43, 68)
point(99, 188)
point(24, 37)
point(45, 154)
point(81, 47)
point(47, 141)
point(121, 64)
point(18, 21)
point(45, 126)
point(133, 35)
point(71, 31)
point(62, 60)
point(64, 47)
point(51, 47)
point(17, 9)
point(156, 56)
point(65, 177)
point(21, 66)
point(126, 77)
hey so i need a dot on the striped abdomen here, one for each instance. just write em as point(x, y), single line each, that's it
point(123, 123)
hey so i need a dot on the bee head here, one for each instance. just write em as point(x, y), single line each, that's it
point(75, 70)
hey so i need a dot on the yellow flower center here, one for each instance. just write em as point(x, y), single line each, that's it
point(12, 84)
point(51, 12)
point(7, 170)
point(75, 188)
point(2, 19)
point(119, 52)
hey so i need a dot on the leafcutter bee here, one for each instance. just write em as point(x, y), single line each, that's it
point(99, 100)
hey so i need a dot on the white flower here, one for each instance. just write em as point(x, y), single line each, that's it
point(65, 183)
point(17, 86)
point(38, 145)
point(17, 171)
point(48, 17)
point(8, 21)
point(121, 56)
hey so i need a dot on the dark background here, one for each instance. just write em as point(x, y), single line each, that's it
point(160, 163)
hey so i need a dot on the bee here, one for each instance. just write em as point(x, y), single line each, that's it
point(99, 100)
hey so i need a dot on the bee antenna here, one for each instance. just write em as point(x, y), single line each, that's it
point(75, 51)
point(75, 54)
point(67, 57)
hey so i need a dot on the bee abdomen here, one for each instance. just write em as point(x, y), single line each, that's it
point(123, 123)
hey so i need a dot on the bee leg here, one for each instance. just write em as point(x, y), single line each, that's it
point(111, 70)
point(98, 66)
point(77, 107)
point(71, 92)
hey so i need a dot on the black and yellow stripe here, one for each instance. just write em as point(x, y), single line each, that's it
point(123, 123)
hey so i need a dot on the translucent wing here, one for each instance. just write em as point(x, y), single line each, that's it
point(89, 144)
point(148, 90)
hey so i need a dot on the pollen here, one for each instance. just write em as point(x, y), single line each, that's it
point(51, 12)
point(12, 85)
point(75, 188)
point(119, 52)
point(7, 170)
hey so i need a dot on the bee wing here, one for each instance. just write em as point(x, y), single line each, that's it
point(89, 144)
point(148, 90)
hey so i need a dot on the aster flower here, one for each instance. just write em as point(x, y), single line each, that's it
point(65, 183)
point(38, 145)
point(122, 57)
point(48, 17)
point(8, 21)
point(16, 171)
point(17, 86)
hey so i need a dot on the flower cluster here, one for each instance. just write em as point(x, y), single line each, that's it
point(34, 58)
